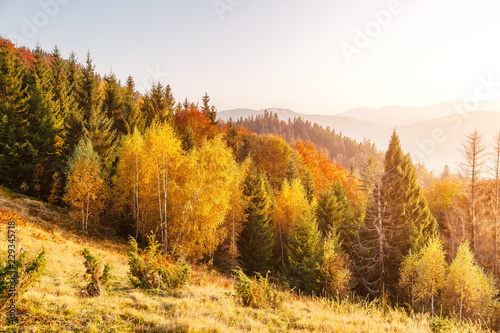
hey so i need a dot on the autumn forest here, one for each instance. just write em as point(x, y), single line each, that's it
point(299, 205)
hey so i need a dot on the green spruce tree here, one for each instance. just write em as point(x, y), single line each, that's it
point(406, 212)
point(327, 211)
point(98, 127)
point(74, 123)
point(158, 104)
point(16, 151)
point(45, 127)
point(209, 111)
point(304, 254)
point(256, 240)
point(112, 103)
point(130, 109)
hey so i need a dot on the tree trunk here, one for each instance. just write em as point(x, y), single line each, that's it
point(381, 233)
point(136, 196)
point(159, 198)
point(87, 214)
point(282, 250)
point(233, 241)
point(165, 196)
point(432, 303)
point(83, 217)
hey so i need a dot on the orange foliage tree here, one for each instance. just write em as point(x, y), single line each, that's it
point(192, 120)
point(325, 172)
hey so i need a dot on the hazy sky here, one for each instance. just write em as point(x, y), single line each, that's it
point(308, 56)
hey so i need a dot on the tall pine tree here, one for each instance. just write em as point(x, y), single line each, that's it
point(304, 254)
point(257, 236)
point(45, 127)
point(130, 109)
point(98, 127)
point(74, 121)
point(158, 104)
point(407, 214)
point(16, 151)
point(113, 103)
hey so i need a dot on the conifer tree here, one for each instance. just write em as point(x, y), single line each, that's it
point(206, 107)
point(74, 120)
point(327, 211)
point(395, 208)
point(158, 104)
point(292, 168)
point(256, 240)
point(371, 174)
point(45, 127)
point(16, 151)
point(209, 111)
point(407, 216)
point(373, 248)
point(309, 185)
point(188, 139)
point(98, 127)
point(61, 94)
point(112, 103)
point(169, 99)
point(304, 254)
point(345, 217)
point(131, 111)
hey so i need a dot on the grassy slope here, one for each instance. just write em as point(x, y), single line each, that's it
point(207, 303)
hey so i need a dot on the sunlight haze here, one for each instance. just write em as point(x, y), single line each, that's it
point(286, 54)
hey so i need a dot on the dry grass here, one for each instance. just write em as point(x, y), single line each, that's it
point(207, 303)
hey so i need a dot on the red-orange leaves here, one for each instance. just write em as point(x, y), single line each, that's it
point(192, 120)
point(325, 172)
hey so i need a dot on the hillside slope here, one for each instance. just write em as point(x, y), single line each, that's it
point(208, 302)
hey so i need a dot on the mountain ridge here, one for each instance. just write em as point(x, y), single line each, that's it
point(434, 142)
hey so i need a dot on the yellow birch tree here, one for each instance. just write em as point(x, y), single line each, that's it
point(85, 186)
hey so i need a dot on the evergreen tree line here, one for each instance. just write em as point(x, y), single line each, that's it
point(337, 147)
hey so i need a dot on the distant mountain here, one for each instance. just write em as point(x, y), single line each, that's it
point(398, 115)
point(356, 129)
point(436, 142)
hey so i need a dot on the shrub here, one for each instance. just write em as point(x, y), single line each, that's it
point(27, 269)
point(94, 267)
point(334, 271)
point(152, 270)
point(257, 292)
